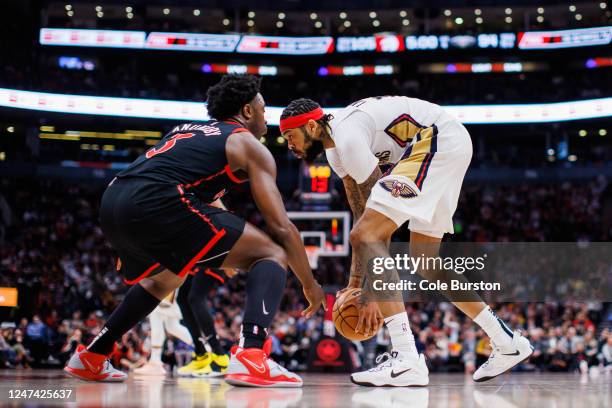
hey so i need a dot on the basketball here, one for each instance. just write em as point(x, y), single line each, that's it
point(346, 315)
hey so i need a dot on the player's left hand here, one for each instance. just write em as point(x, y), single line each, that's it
point(369, 318)
point(316, 298)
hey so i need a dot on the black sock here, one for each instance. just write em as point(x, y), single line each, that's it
point(137, 304)
point(189, 319)
point(265, 286)
point(200, 288)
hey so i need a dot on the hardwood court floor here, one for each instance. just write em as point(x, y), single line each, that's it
point(320, 391)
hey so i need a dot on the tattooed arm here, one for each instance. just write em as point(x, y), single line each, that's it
point(353, 196)
point(357, 196)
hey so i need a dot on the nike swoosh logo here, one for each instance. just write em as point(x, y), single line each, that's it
point(516, 353)
point(263, 303)
point(259, 367)
point(395, 375)
point(94, 369)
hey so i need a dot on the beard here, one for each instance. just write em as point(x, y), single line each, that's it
point(314, 150)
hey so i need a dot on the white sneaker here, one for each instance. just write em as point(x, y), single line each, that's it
point(501, 361)
point(154, 368)
point(393, 371)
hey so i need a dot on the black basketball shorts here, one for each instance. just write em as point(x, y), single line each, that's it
point(153, 227)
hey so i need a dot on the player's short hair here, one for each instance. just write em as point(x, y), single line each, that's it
point(304, 105)
point(226, 98)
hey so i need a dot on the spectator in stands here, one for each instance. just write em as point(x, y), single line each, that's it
point(70, 345)
point(37, 338)
point(22, 357)
point(7, 355)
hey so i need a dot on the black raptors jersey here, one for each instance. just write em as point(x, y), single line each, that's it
point(191, 159)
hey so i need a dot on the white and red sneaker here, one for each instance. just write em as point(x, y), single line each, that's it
point(89, 366)
point(253, 367)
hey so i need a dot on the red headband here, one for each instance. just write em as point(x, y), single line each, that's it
point(300, 120)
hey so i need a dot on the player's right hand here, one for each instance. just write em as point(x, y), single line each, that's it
point(351, 285)
point(341, 291)
point(316, 298)
point(369, 318)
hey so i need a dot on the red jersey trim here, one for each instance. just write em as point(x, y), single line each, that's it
point(195, 211)
point(200, 181)
point(214, 275)
point(202, 252)
point(232, 176)
point(143, 275)
point(238, 130)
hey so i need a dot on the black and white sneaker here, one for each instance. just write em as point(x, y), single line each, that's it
point(394, 371)
point(502, 360)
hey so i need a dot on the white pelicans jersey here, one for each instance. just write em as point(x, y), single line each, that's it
point(429, 148)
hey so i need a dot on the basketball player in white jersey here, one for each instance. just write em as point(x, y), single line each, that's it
point(165, 318)
point(430, 152)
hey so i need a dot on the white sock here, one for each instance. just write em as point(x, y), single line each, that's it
point(402, 338)
point(496, 329)
point(155, 354)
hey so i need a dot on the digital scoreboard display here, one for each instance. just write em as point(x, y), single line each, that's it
point(316, 184)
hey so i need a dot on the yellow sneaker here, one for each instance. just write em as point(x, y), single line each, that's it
point(202, 372)
point(217, 367)
point(198, 363)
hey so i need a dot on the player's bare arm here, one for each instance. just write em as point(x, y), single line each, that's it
point(245, 153)
point(357, 196)
point(353, 196)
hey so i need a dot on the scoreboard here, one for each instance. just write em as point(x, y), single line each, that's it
point(316, 185)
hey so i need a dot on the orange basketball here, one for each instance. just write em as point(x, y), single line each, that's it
point(346, 315)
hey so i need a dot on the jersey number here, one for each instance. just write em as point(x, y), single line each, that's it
point(169, 144)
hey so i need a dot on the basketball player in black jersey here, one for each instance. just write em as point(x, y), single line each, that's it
point(163, 217)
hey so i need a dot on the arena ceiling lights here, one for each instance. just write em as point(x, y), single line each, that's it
point(190, 111)
point(384, 43)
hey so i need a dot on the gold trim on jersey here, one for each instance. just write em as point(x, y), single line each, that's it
point(418, 157)
point(403, 129)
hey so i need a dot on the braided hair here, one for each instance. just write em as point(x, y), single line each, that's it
point(226, 98)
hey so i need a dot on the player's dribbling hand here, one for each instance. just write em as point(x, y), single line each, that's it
point(341, 291)
point(353, 284)
point(369, 318)
point(316, 298)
